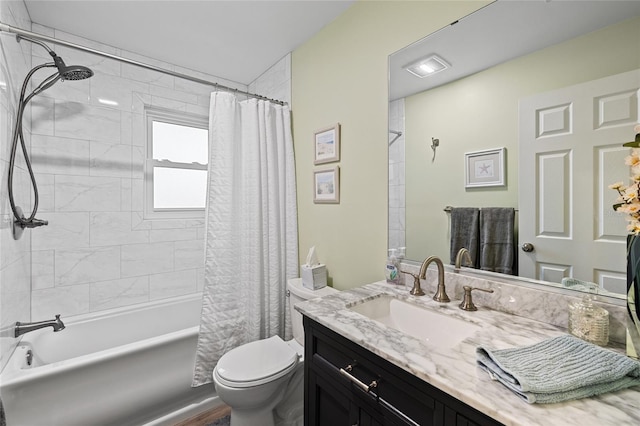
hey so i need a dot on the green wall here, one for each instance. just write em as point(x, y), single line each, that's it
point(340, 75)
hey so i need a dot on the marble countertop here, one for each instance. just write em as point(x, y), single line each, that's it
point(454, 370)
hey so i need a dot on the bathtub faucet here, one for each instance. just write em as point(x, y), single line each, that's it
point(25, 327)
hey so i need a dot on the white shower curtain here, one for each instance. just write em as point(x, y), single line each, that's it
point(251, 242)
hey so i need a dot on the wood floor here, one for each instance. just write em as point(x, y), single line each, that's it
point(207, 417)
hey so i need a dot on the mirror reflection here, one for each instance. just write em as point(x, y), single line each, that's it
point(518, 80)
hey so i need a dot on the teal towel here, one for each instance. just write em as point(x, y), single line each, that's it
point(559, 369)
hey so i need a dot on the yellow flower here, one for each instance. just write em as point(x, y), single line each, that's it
point(617, 185)
point(631, 193)
point(633, 159)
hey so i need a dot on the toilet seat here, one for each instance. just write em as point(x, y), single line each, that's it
point(256, 363)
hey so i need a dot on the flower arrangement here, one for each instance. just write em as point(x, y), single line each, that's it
point(628, 201)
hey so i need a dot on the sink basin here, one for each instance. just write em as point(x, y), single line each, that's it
point(424, 324)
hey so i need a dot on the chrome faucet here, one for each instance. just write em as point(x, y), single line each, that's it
point(26, 327)
point(463, 253)
point(441, 294)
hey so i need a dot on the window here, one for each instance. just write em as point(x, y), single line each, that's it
point(176, 164)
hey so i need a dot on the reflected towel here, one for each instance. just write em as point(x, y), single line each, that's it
point(496, 239)
point(465, 224)
point(559, 369)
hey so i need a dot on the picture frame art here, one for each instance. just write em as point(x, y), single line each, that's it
point(326, 186)
point(327, 145)
point(485, 168)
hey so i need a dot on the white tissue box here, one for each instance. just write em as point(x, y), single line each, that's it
point(314, 277)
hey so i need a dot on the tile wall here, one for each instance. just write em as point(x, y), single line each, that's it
point(396, 175)
point(88, 148)
point(15, 258)
point(98, 252)
point(275, 83)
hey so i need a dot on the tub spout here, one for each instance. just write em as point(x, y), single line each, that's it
point(26, 327)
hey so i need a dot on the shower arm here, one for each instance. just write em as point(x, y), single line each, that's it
point(38, 42)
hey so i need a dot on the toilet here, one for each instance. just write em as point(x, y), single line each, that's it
point(263, 381)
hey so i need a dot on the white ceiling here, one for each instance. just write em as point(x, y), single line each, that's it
point(499, 32)
point(235, 40)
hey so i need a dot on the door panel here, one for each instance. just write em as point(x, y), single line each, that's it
point(570, 143)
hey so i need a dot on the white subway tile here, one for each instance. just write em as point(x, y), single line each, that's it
point(86, 265)
point(125, 195)
point(137, 199)
point(139, 102)
point(42, 267)
point(110, 160)
point(137, 162)
point(144, 75)
point(172, 284)
point(50, 154)
point(159, 101)
point(66, 301)
point(168, 224)
point(145, 259)
point(15, 276)
point(82, 121)
point(65, 230)
point(126, 127)
point(107, 90)
point(121, 292)
point(138, 130)
point(157, 235)
point(189, 254)
point(138, 222)
point(46, 192)
point(42, 115)
point(82, 193)
point(114, 228)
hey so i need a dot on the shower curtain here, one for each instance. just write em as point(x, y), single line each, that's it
point(251, 242)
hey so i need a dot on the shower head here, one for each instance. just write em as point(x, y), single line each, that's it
point(67, 72)
point(71, 72)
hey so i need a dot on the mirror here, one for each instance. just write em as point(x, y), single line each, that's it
point(498, 55)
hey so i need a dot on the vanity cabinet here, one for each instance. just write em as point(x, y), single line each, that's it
point(346, 384)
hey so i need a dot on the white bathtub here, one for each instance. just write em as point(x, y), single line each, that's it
point(120, 367)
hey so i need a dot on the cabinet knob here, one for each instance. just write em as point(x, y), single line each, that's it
point(527, 247)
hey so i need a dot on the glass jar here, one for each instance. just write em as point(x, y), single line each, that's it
point(589, 322)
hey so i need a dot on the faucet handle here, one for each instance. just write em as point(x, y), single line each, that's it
point(416, 290)
point(467, 302)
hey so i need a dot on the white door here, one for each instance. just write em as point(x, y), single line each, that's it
point(570, 146)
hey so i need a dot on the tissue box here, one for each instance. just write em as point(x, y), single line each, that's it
point(314, 277)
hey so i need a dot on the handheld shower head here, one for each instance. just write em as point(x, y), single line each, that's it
point(71, 72)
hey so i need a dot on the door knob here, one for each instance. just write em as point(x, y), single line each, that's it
point(527, 247)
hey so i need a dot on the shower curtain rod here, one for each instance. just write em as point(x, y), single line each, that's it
point(19, 31)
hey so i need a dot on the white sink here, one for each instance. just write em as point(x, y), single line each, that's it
point(424, 324)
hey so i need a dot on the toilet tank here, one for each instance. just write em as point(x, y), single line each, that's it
point(297, 293)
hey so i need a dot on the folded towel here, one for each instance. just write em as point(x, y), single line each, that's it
point(559, 369)
point(464, 232)
point(496, 239)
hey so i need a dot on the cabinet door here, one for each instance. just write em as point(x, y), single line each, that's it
point(327, 404)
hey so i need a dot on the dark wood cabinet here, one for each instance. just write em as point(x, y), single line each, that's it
point(346, 384)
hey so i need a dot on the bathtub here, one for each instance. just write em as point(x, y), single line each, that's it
point(126, 366)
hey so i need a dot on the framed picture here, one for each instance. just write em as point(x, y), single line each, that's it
point(327, 145)
point(326, 185)
point(484, 168)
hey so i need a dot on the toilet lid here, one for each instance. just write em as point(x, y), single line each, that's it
point(256, 362)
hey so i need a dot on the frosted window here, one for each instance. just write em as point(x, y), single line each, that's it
point(177, 153)
point(180, 144)
point(179, 188)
